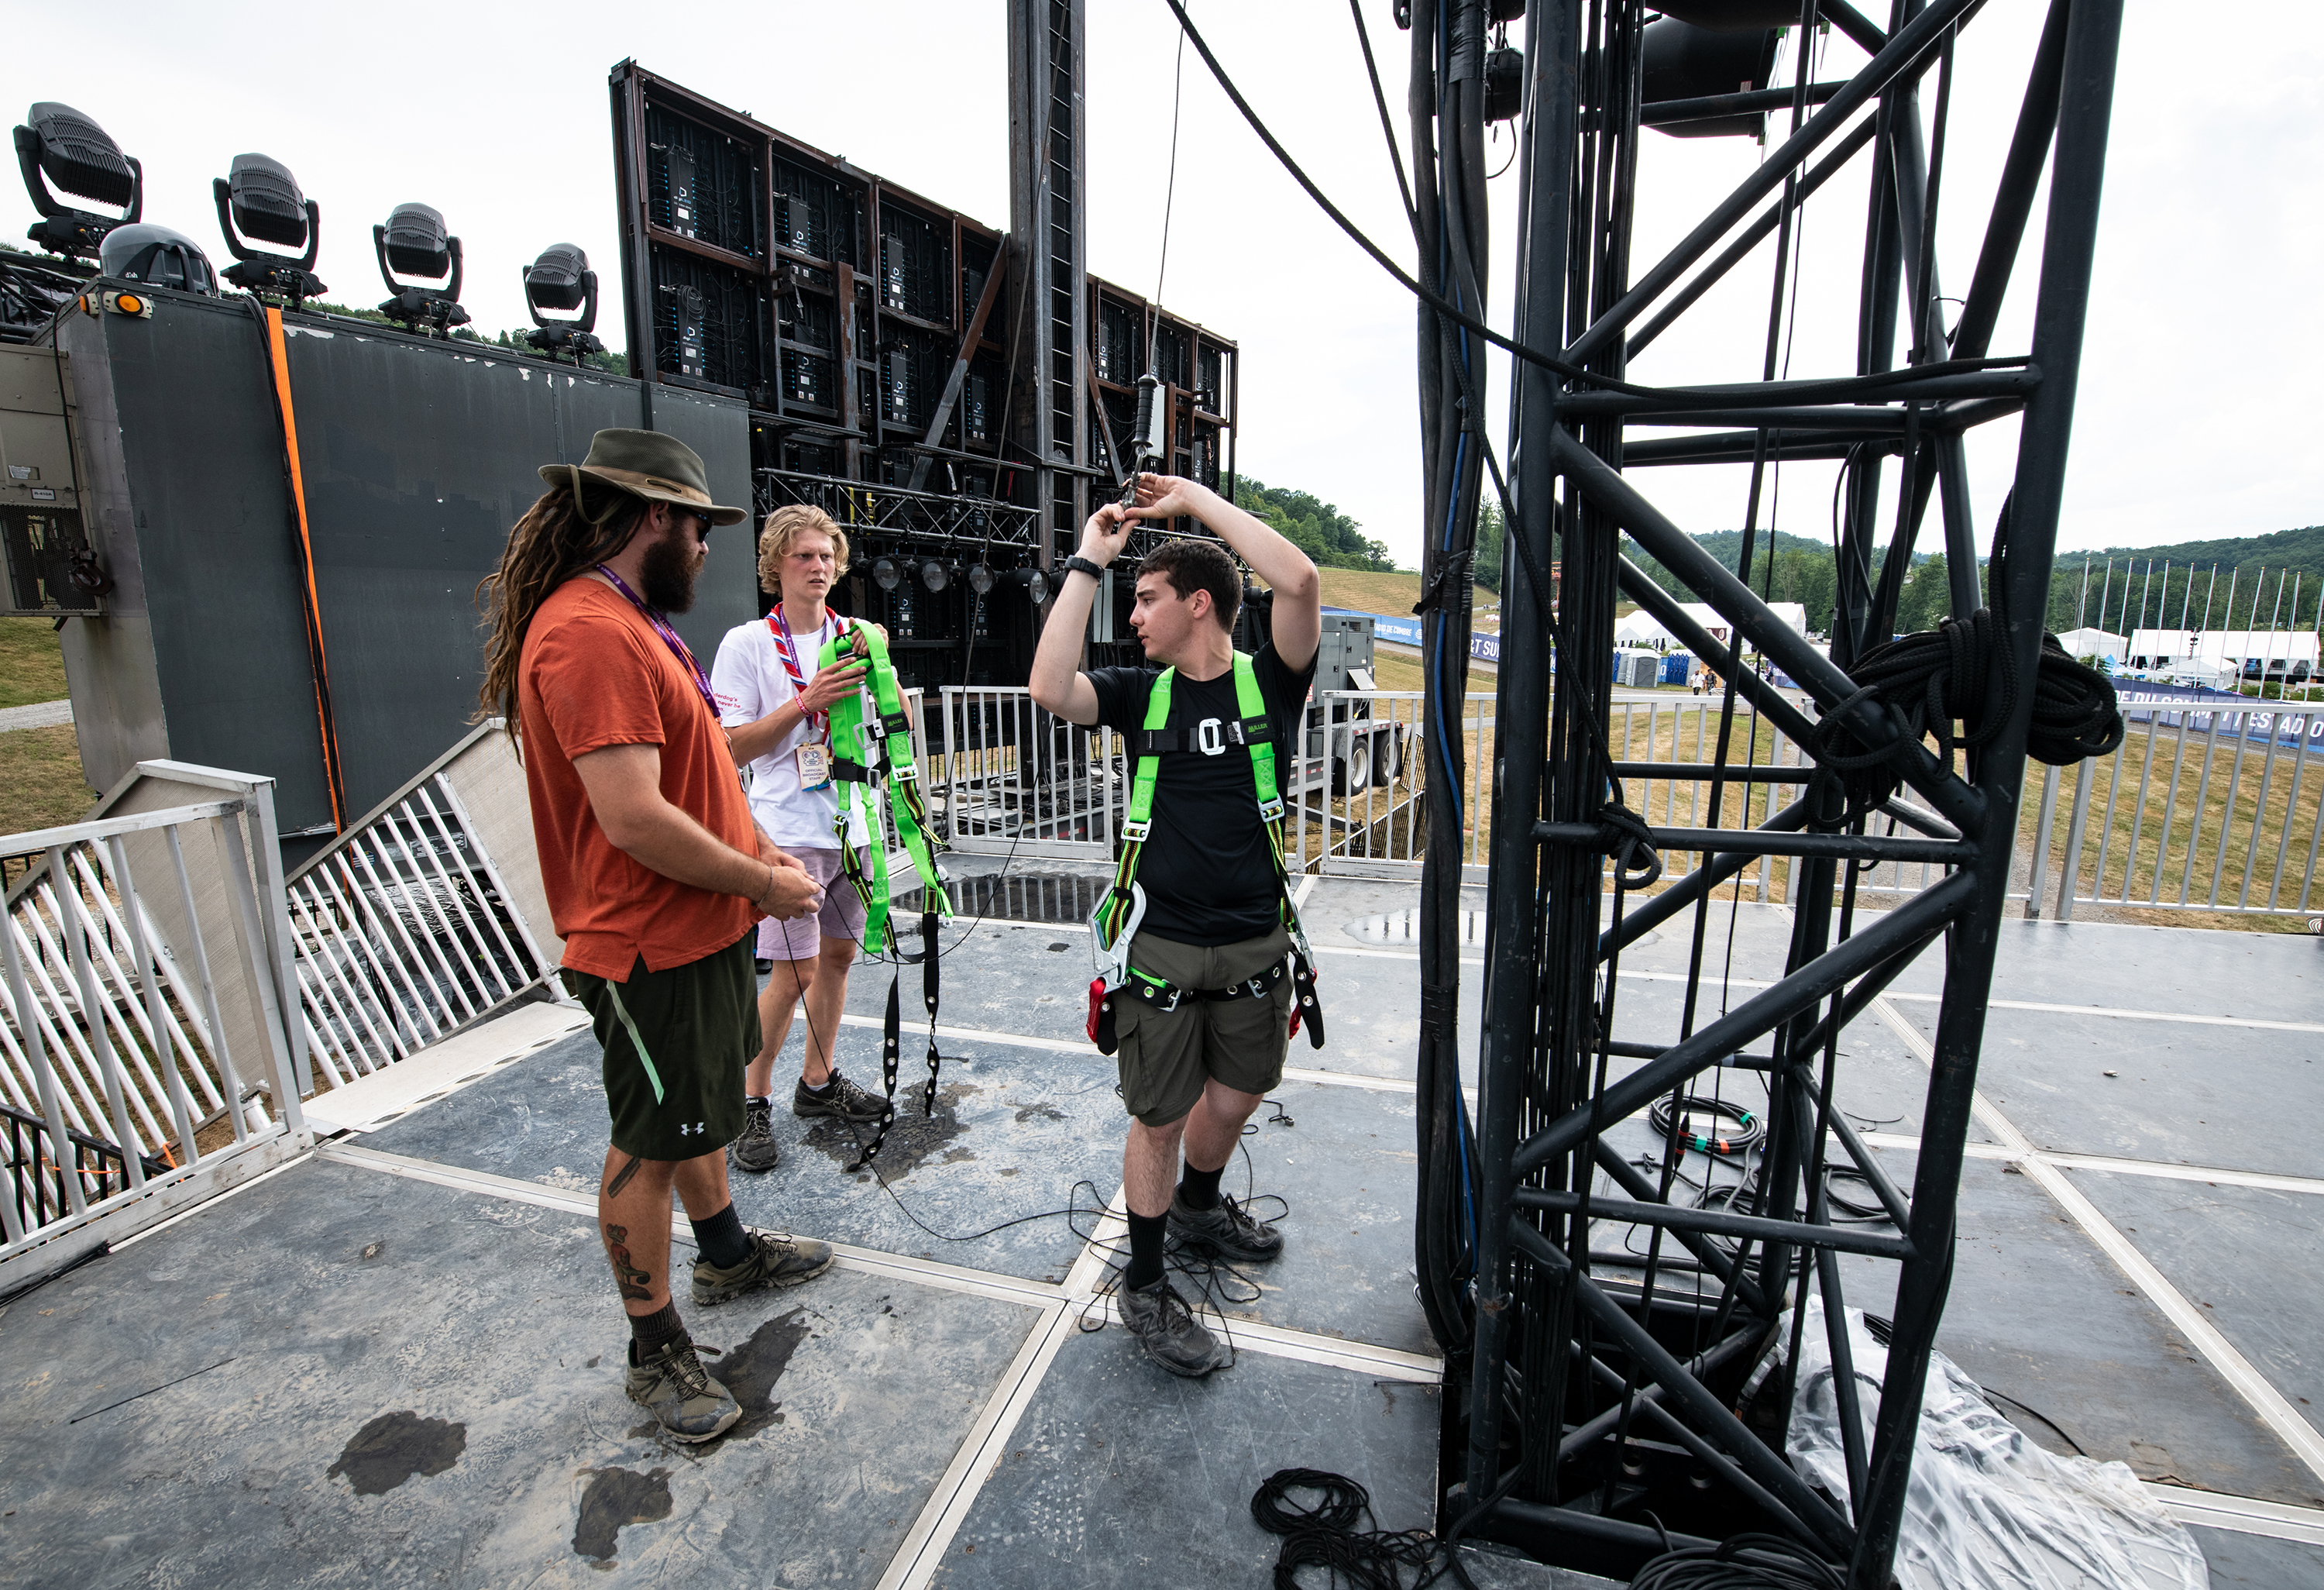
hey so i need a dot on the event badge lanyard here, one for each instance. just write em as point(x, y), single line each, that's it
point(815, 756)
point(670, 638)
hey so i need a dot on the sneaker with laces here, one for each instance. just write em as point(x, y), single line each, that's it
point(775, 1259)
point(672, 1385)
point(839, 1097)
point(1229, 1231)
point(1168, 1331)
point(756, 1149)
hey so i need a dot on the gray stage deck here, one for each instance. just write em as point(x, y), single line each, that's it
point(398, 1360)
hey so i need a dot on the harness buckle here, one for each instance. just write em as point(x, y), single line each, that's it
point(1271, 811)
point(874, 730)
point(904, 772)
point(1134, 833)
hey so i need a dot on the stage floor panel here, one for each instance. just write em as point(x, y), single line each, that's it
point(931, 1411)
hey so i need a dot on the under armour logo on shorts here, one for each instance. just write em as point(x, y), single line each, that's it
point(696, 1130)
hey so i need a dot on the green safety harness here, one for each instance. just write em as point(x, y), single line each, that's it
point(1114, 924)
point(871, 761)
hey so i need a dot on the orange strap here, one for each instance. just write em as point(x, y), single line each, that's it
point(334, 778)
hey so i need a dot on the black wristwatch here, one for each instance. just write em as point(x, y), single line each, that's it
point(1079, 562)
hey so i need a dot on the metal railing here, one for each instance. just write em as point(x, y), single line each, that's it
point(141, 981)
point(2206, 805)
point(1009, 778)
point(404, 929)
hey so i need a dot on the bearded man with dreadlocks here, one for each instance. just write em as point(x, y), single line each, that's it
point(655, 873)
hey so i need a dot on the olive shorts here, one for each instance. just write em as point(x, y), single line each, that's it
point(1166, 1057)
point(675, 1042)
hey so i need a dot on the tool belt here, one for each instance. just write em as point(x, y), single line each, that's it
point(1156, 993)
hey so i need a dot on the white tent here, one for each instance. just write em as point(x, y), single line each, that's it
point(2226, 650)
point(1640, 629)
point(2094, 642)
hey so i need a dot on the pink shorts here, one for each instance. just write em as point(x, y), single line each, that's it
point(841, 916)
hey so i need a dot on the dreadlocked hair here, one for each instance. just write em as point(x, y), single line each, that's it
point(549, 545)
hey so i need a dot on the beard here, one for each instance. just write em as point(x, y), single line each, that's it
point(668, 574)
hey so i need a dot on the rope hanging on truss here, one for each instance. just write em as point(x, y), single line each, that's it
point(1961, 670)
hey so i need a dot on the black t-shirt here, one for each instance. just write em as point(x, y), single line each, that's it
point(1206, 870)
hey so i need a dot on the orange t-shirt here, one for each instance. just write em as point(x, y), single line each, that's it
point(593, 673)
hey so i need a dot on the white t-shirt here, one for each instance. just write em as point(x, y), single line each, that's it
point(750, 680)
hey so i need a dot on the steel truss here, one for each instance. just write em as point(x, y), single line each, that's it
point(1578, 1382)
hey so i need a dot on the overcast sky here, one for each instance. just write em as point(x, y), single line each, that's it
point(498, 116)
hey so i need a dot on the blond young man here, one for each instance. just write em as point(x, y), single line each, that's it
point(776, 702)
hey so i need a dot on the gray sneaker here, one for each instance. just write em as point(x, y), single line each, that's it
point(838, 1097)
point(672, 1385)
point(1230, 1231)
point(756, 1149)
point(775, 1259)
point(1168, 1331)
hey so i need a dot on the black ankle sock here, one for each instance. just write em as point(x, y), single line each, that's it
point(721, 1238)
point(1199, 1189)
point(1145, 1249)
point(648, 1332)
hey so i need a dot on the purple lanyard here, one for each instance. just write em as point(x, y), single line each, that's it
point(670, 638)
point(788, 651)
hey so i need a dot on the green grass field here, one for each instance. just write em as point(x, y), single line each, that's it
point(31, 664)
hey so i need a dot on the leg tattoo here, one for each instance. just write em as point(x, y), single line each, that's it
point(636, 1285)
point(621, 1178)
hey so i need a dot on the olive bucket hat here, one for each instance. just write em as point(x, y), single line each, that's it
point(645, 464)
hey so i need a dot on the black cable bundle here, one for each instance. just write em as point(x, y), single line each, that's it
point(1326, 1535)
point(1749, 1129)
point(1745, 1562)
point(1960, 670)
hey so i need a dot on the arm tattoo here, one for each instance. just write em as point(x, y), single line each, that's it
point(636, 1285)
point(621, 1178)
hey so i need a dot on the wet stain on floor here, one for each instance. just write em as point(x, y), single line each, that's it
point(752, 1370)
point(911, 1141)
point(617, 1498)
point(394, 1447)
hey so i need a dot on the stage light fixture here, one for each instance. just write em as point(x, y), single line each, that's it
point(158, 257)
point(934, 575)
point(562, 280)
point(58, 144)
point(1032, 581)
point(415, 242)
point(1504, 86)
point(981, 577)
point(887, 573)
point(260, 197)
point(1686, 61)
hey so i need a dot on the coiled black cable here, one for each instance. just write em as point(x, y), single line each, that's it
point(1745, 1562)
point(1326, 1535)
point(1961, 670)
point(1749, 1127)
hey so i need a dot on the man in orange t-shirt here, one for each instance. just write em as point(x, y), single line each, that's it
point(655, 873)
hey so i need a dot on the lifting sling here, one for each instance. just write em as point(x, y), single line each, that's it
point(1114, 924)
point(872, 762)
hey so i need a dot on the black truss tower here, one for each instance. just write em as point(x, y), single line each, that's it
point(1571, 1372)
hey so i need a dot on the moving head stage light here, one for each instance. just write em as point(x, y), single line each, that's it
point(62, 145)
point(415, 242)
point(562, 280)
point(262, 198)
point(158, 257)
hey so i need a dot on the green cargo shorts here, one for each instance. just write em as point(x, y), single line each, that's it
point(1166, 1056)
point(675, 1042)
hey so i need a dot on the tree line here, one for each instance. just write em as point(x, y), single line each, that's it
point(1329, 537)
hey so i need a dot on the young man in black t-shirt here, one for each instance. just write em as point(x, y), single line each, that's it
point(1193, 1074)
